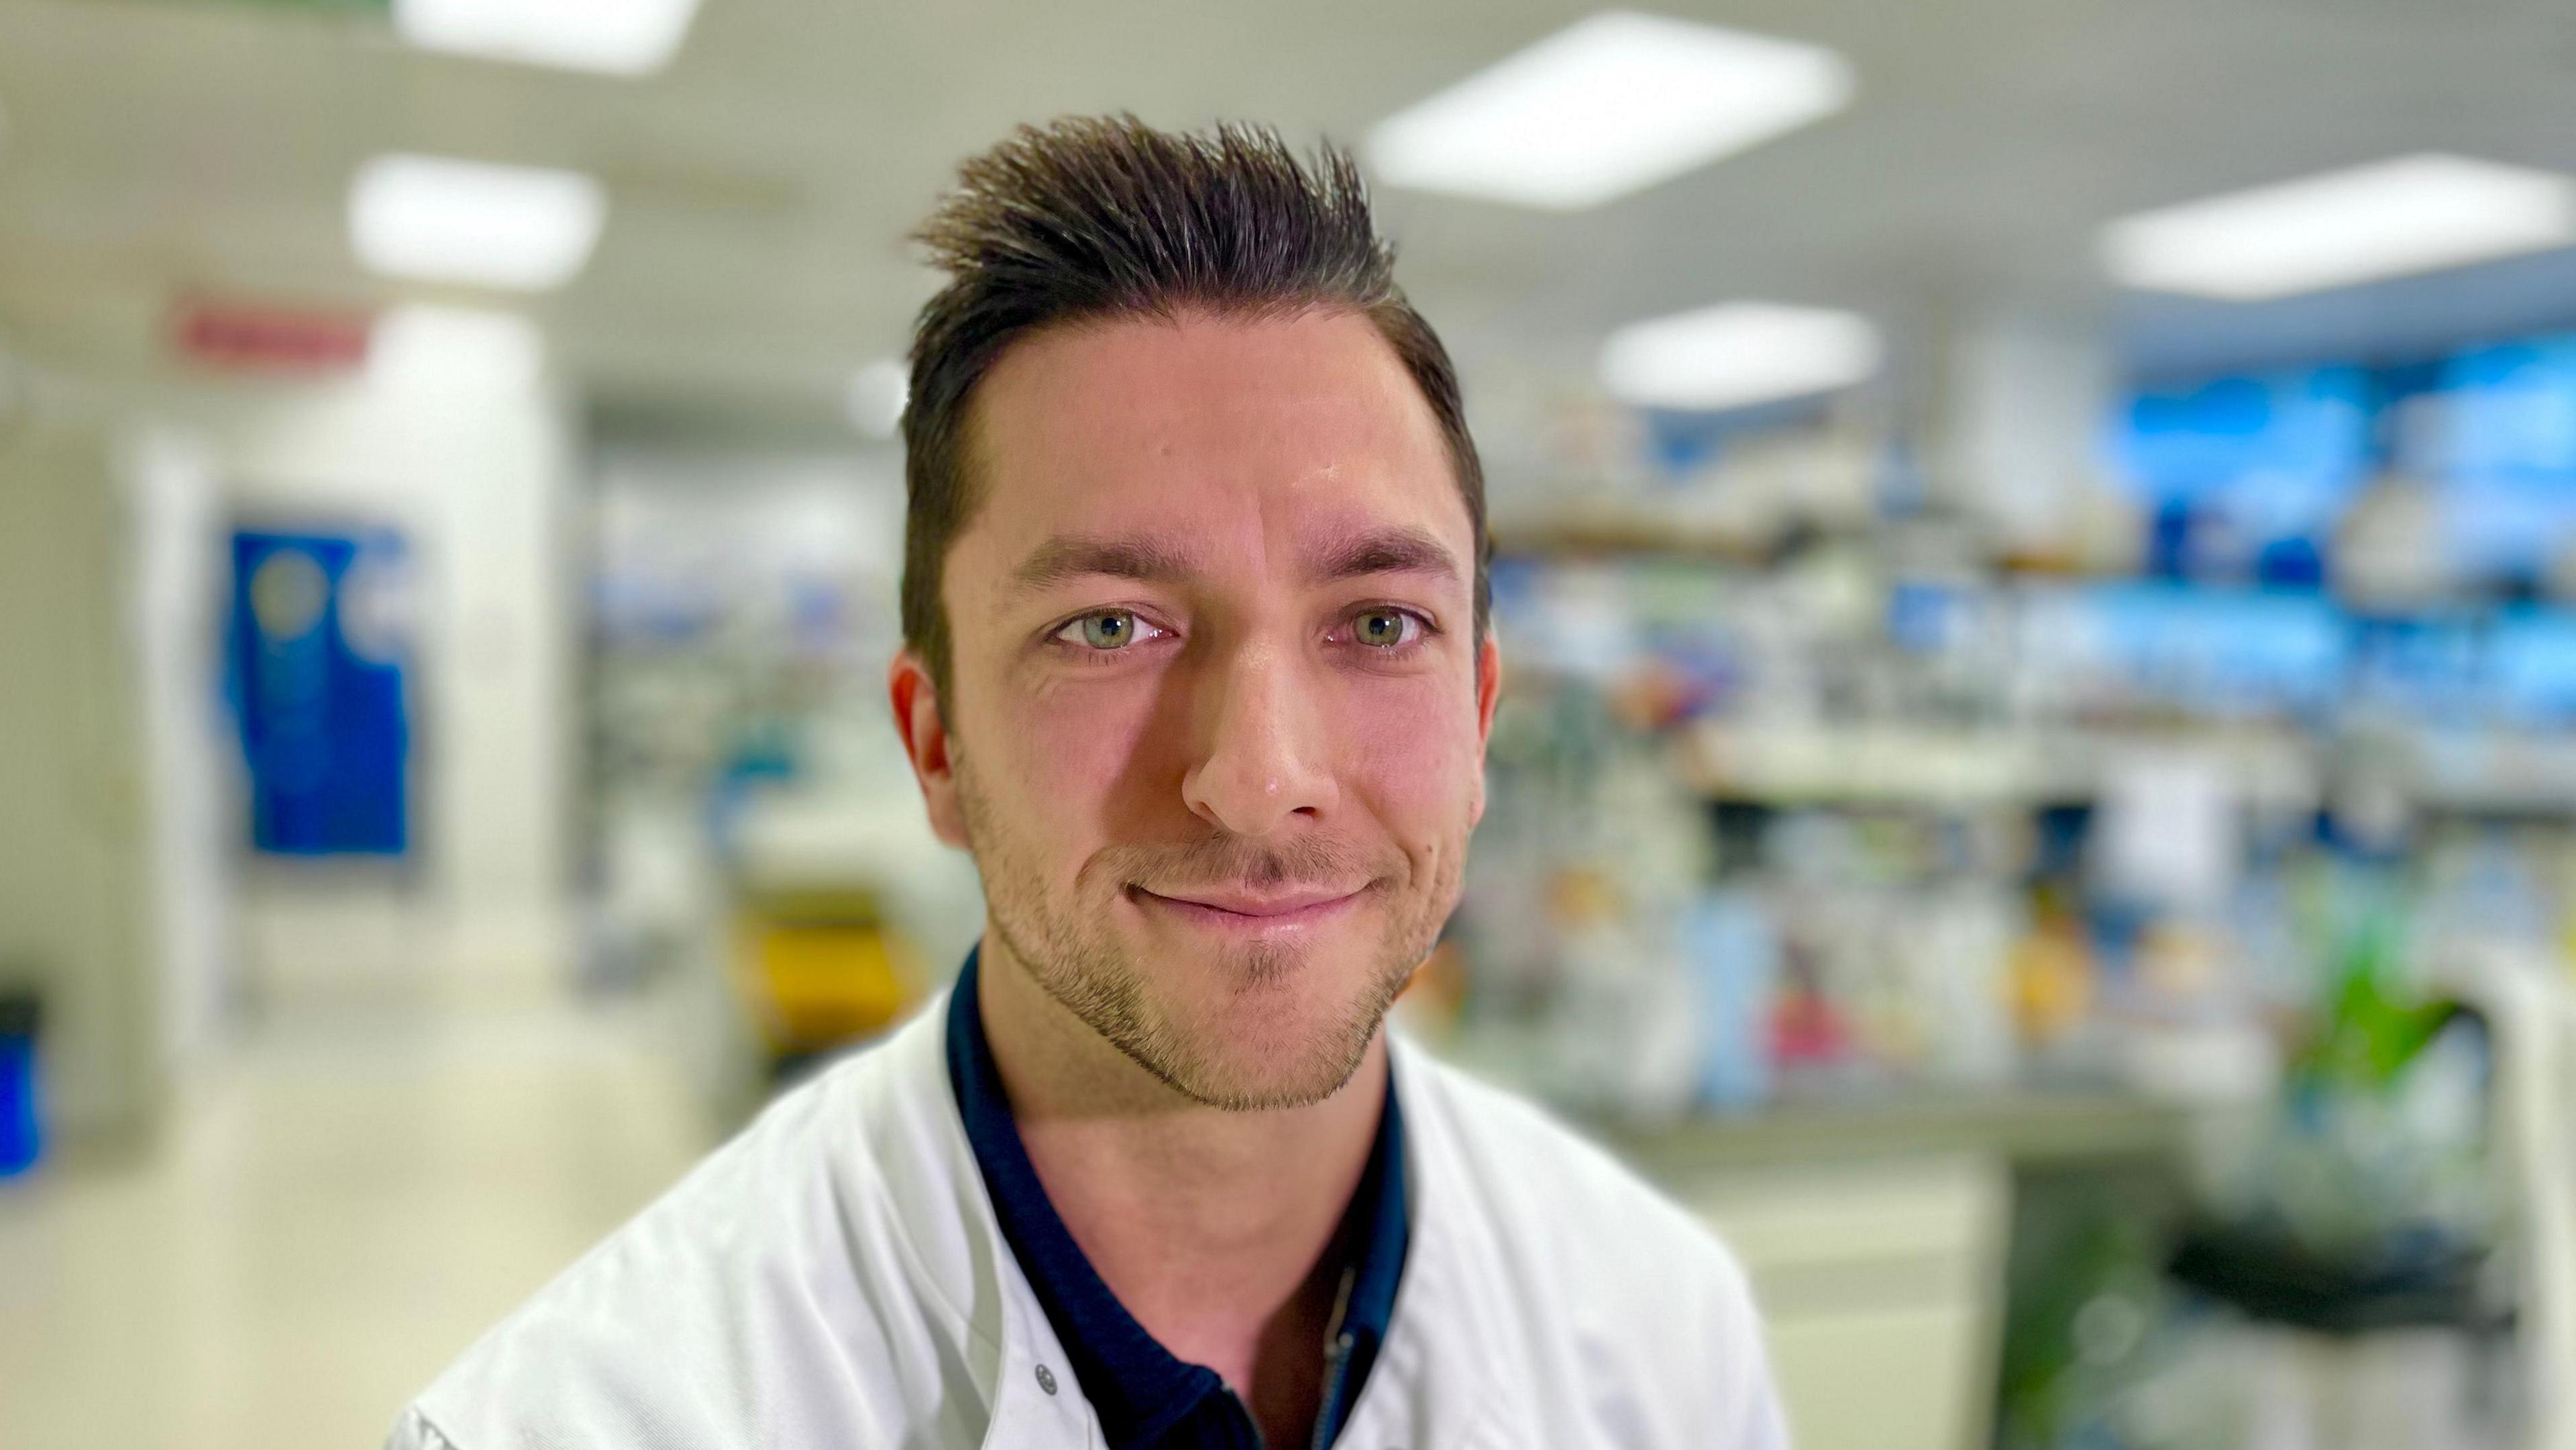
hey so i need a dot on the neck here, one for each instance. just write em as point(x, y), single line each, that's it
point(1214, 1228)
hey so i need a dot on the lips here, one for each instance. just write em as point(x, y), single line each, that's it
point(1247, 903)
point(1243, 910)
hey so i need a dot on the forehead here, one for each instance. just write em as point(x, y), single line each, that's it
point(1223, 431)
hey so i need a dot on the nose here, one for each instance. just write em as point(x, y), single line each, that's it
point(1263, 757)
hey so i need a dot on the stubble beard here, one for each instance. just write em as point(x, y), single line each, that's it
point(1076, 958)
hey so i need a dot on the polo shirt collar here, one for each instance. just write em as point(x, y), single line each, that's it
point(1139, 1389)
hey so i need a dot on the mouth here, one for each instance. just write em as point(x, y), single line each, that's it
point(1237, 912)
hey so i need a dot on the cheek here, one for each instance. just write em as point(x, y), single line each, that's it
point(1413, 750)
point(1072, 747)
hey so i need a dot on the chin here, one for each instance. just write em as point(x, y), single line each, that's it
point(1266, 1038)
point(1229, 1076)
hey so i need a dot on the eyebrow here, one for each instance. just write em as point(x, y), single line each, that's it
point(1398, 550)
point(1060, 559)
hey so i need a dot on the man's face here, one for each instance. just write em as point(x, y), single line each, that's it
point(1215, 727)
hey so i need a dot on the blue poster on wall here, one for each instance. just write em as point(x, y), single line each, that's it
point(316, 648)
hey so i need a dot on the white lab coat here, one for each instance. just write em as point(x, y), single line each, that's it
point(833, 1280)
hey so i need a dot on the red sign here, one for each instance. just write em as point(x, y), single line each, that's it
point(262, 338)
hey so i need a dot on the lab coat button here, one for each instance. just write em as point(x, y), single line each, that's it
point(1046, 1379)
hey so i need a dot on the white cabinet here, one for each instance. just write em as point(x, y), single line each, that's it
point(1881, 1283)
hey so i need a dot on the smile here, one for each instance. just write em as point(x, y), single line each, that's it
point(1241, 912)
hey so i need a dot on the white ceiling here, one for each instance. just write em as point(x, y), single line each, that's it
point(761, 186)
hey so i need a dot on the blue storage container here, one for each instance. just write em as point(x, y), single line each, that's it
point(22, 1139)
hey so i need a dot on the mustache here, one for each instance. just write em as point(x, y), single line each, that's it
point(1223, 860)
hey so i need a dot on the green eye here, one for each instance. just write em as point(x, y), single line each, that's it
point(1382, 628)
point(1110, 629)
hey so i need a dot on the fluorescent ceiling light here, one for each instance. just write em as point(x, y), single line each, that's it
point(2410, 214)
point(877, 393)
point(621, 37)
point(1737, 354)
point(1607, 106)
point(441, 220)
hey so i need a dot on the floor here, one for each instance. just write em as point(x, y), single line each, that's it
point(331, 1216)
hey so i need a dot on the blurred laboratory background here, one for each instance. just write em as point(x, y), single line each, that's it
point(2036, 560)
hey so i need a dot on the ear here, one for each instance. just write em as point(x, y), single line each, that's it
point(926, 741)
point(1489, 688)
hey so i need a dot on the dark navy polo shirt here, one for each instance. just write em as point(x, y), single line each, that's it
point(1147, 1398)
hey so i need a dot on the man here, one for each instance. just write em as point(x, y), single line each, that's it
point(1197, 668)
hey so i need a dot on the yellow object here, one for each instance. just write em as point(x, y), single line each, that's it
point(2052, 981)
point(821, 969)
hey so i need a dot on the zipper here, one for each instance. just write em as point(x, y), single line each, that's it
point(1337, 1365)
point(1337, 1360)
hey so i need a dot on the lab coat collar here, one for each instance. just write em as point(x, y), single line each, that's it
point(1140, 1389)
point(1436, 1380)
point(1434, 1375)
point(969, 1278)
point(1135, 1385)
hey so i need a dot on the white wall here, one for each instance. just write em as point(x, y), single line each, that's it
point(174, 590)
point(123, 884)
point(458, 435)
point(75, 886)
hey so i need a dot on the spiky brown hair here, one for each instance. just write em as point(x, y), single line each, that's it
point(1103, 216)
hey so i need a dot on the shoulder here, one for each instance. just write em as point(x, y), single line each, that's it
point(1641, 1301)
point(704, 1320)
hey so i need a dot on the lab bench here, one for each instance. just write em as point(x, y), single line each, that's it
point(1878, 1236)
